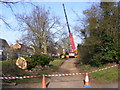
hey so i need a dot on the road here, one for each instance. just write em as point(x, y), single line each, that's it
point(75, 81)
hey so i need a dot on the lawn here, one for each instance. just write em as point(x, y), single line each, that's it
point(56, 62)
point(53, 66)
point(107, 75)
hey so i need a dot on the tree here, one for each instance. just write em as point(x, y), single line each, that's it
point(101, 35)
point(89, 33)
point(54, 28)
point(38, 25)
point(63, 43)
point(10, 5)
point(2, 18)
point(109, 34)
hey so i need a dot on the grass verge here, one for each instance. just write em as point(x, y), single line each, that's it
point(103, 76)
point(56, 62)
point(53, 66)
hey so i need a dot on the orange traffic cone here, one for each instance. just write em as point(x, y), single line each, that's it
point(87, 83)
point(43, 82)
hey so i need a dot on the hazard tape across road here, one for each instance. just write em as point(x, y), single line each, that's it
point(53, 75)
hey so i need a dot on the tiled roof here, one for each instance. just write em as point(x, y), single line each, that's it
point(16, 46)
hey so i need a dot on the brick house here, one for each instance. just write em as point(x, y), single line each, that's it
point(23, 49)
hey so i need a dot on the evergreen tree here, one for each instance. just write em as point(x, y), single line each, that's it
point(101, 31)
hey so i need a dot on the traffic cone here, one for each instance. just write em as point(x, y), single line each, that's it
point(87, 83)
point(43, 82)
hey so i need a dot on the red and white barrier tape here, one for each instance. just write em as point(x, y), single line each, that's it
point(72, 74)
point(104, 68)
point(53, 75)
point(21, 77)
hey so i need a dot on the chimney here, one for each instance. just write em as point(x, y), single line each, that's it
point(17, 41)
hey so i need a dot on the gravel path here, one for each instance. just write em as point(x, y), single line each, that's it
point(67, 81)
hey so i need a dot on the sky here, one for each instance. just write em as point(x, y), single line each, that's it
point(56, 8)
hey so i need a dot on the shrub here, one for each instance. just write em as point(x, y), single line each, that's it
point(96, 61)
point(35, 60)
point(98, 54)
point(10, 69)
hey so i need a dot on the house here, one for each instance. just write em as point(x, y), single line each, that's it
point(4, 46)
point(15, 51)
point(22, 49)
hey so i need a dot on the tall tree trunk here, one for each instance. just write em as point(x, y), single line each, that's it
point(45, 46)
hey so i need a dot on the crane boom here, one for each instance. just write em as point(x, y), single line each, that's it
point(66, 19)
point(70, 34)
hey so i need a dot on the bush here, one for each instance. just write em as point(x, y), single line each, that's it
point(96, 61)
point(35, 60)
point(85, 53)
point(10, 69)
point(98, 54)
